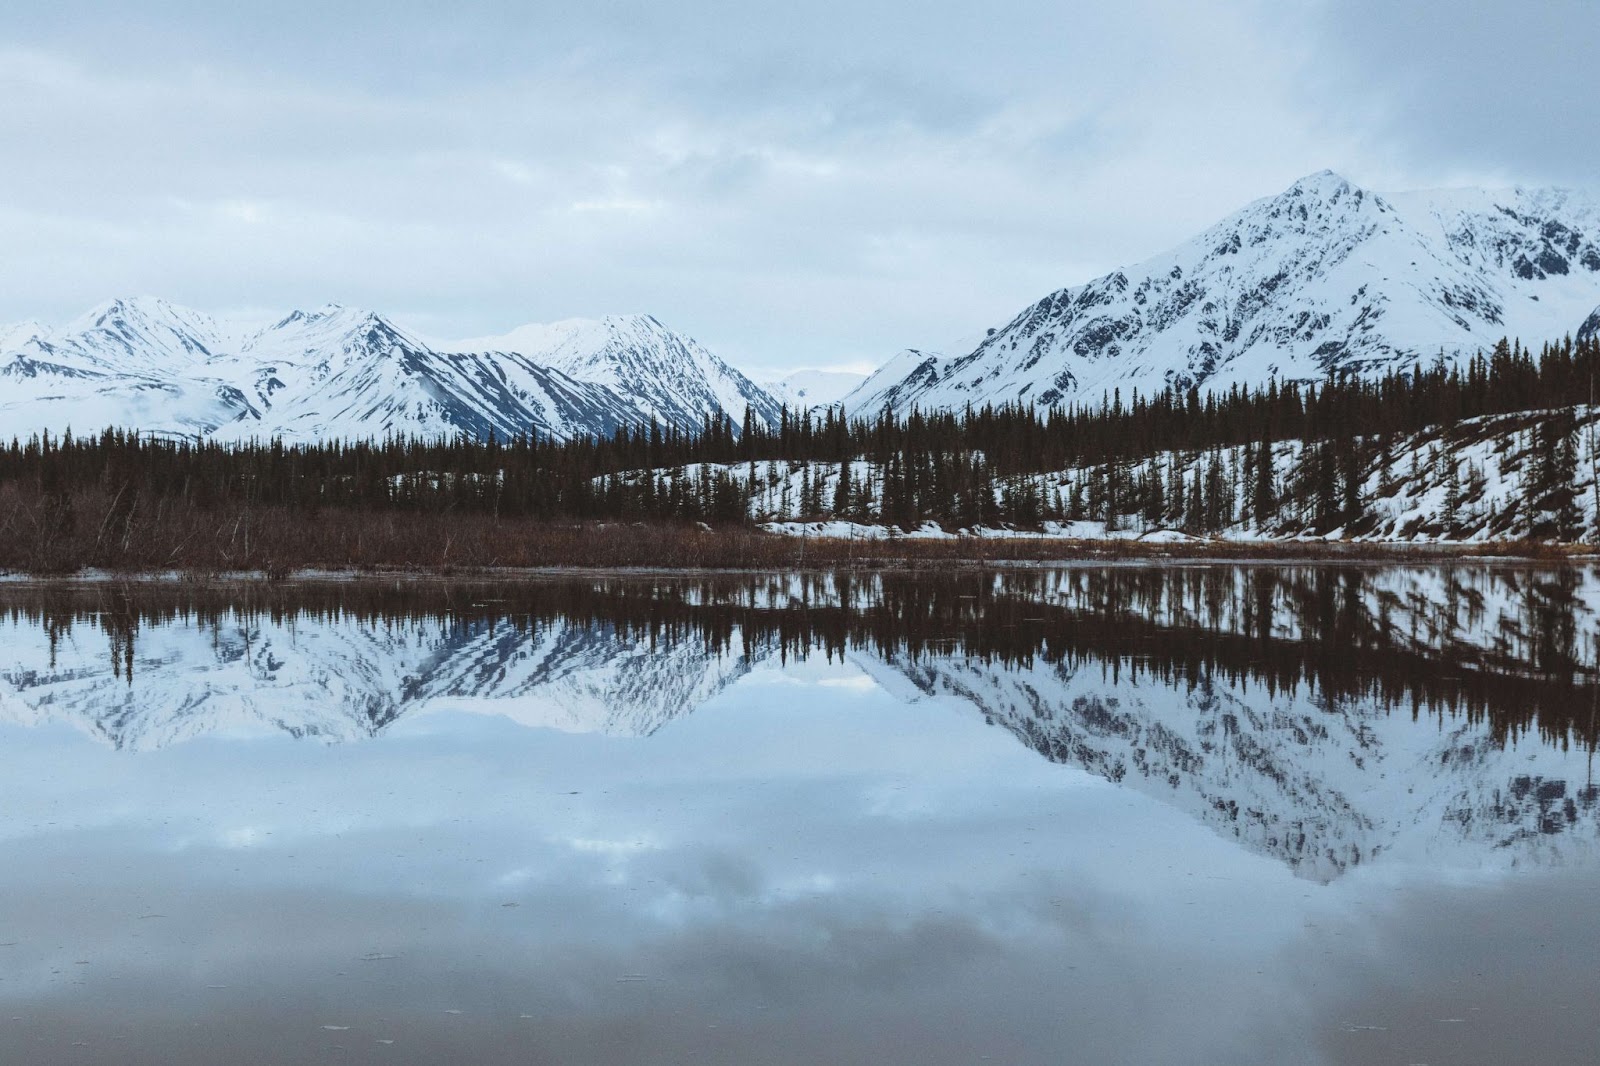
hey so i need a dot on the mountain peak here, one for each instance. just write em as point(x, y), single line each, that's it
point(1316, 199)
point(336, 316)
point(127, 308)
point(347, 372)
point(650, 322)
point(130, 303)
point(1324, 184)
point(567, 331)
point(144, 331)
point(332, 328)
point(1321, 278)
point(14, 335)
point(670, 375)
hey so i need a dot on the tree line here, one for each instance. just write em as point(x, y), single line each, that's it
point(958, 468)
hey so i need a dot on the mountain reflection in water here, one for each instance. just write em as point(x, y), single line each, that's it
point(1324, 716)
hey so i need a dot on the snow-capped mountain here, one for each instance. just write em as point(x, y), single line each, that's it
point(143, 364)
point(669, 377)
point(1325, 277)
point(139, 334)
point(340, 372)
point(807, 390)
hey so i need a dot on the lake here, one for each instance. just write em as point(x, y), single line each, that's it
point(1140, 814)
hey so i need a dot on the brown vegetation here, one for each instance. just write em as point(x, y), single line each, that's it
point(93, 530)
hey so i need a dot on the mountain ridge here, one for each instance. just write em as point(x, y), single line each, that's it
point(338, 372)
point(1325, 277)
point(672, 377)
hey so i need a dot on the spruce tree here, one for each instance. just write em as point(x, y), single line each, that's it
point(1263, 498)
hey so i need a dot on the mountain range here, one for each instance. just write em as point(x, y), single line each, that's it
point(338, 372)
point(1324, 278)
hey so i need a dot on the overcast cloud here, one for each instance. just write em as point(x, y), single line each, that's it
point(812, 184)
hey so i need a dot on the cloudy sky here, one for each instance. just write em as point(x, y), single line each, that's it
point(804, 184)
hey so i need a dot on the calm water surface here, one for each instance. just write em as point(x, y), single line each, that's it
point(1208, 814)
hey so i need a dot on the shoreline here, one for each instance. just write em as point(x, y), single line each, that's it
point(679, 552)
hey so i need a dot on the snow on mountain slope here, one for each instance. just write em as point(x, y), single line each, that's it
point(1325, 277)
point(135, 362)
point(897, 384)
point(37, 396)
point(16, 334)
point(1465, 482)
point(137, 334)
point(807, 390)
point(669, 376)
point(339, 372)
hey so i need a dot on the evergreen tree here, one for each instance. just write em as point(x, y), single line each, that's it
point(1263, 501)
point(1450, 514)
point(841, 490)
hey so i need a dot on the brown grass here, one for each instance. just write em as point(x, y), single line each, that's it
point(90, 532)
